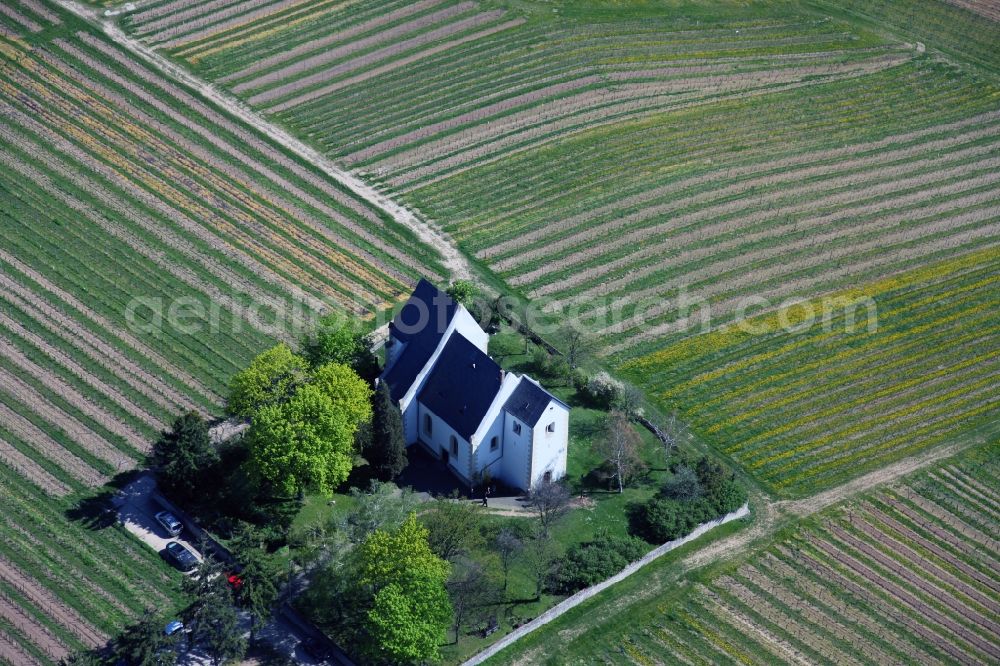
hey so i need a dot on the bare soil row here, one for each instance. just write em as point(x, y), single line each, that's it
point(50, 604)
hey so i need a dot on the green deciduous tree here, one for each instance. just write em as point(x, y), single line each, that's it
point(308, 440)
point(382, 506)
point(350, 394)
point(386, 448)
point(463, 292)
point(183, 455)
point(453, 527)
point(303, 443)
point(410, 609)
point(338, 341)
point(270, 378)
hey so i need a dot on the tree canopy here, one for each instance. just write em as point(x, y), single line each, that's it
point(454, 527)
point(690, 497)
point(211, 616)
point(141, 644)
point(272, 377)
point(350, 394)
point(684, 485)
point(410, 610)
point(619, 448)
point(463, 292)
point(183, 454)
point(337, 341)
point(308, 441)
point(590, 562)
point(381, 506)
point(385, 448)
point(474, 595)
point(550, 502)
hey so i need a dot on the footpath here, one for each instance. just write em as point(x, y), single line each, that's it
point(583, 595)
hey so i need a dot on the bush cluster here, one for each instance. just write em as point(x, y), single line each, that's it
point(689, 498)
point(590, 562)
point(548, 366)
point(602, 390)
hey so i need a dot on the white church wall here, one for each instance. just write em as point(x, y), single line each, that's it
point(517, 451)
point(550, 448)
point(439, 439)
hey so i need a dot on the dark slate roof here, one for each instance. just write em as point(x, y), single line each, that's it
point(462, 385)
point(420, 324)
point(528, 402)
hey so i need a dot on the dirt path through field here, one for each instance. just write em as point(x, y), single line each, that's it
point(767, 515)
point(453, 260)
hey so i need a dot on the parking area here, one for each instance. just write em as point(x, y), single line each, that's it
point(137, 510)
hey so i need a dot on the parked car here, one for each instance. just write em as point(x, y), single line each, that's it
point(169, 522)
point(173, 627)
point(181, 556)
point(234, 580)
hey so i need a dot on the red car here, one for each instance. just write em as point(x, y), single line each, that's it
point(235, 582)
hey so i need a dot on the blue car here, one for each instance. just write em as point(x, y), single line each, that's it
point(173, 627)
point(181, 556)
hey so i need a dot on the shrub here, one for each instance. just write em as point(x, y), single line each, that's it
point(463, 292)
point(559, 368)
point(711, 474)
point(591, 562)
point(603, 390)
point(660, 520)
point(547, 366)
point(684, 485)
point(689, 498)
point(728, 497)
point(578, 379)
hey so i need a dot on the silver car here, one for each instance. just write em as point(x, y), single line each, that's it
point(169, 522)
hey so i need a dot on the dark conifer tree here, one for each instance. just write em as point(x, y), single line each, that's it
point(386, 450)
